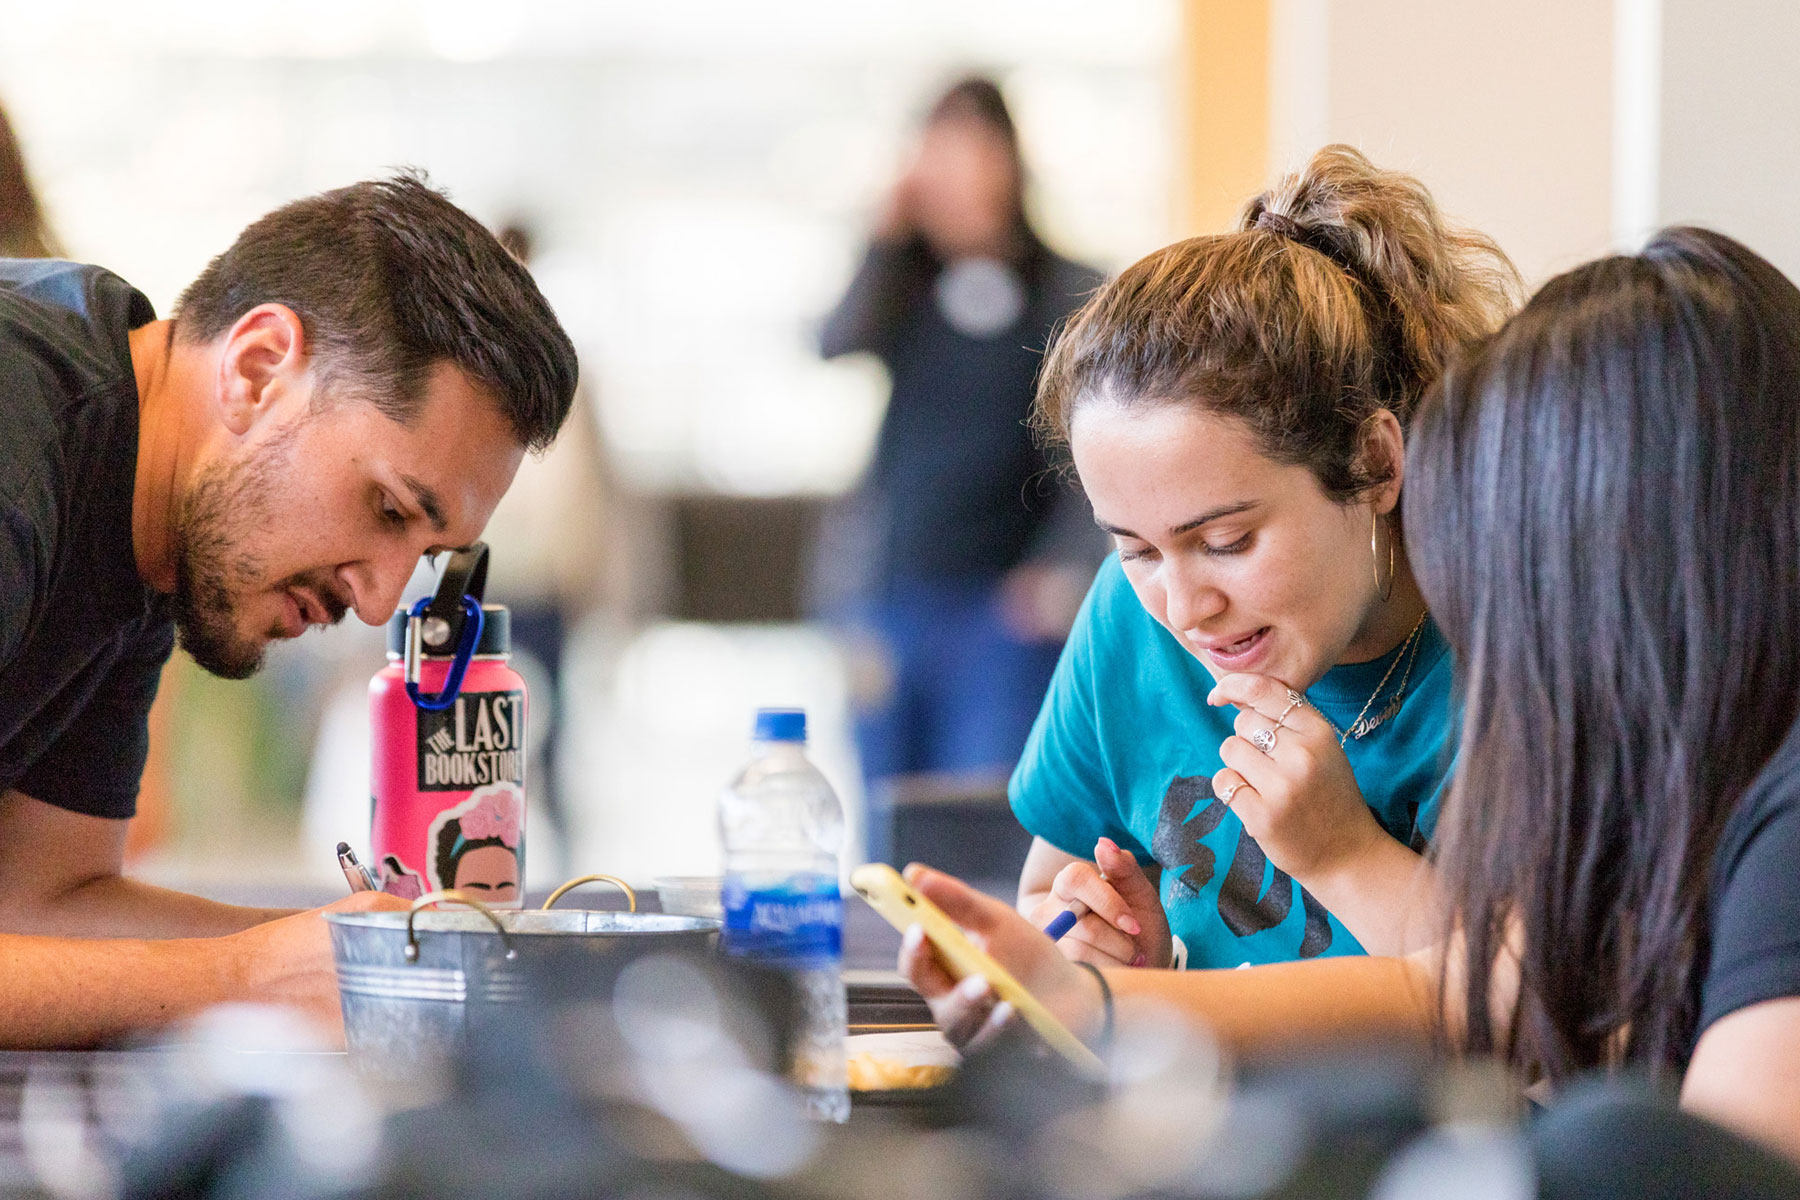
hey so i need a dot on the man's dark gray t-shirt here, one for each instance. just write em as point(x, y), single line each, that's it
point(82, 639)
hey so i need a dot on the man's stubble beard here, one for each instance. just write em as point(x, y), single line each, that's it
point(218, 521)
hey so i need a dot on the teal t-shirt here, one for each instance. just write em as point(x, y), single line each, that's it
point(1126, 746)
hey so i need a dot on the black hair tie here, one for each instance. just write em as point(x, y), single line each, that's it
point(1316, 238)
point(1285, 226)
point(1391, 357)
point(1102, 1043)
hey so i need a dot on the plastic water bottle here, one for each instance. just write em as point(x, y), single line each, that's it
point(783, 828)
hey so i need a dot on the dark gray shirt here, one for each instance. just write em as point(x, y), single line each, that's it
point(1754, 951)
point(82, 639)
point(959, 489)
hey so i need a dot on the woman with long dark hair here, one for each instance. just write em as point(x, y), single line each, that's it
point(1604, 507)
point(1610, 511)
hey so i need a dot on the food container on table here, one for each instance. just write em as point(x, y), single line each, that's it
point(419, 986)
point(691, 895)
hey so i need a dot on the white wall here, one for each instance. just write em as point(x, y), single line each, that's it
point(1563, 128)
point(1504, 110)
point(1728, 150)
point(700, 171)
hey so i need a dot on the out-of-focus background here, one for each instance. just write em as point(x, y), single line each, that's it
point(696, 179)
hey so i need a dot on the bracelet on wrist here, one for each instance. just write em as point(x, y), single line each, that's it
point(1103, 1042)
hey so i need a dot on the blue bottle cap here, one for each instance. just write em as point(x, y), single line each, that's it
point(780, 725)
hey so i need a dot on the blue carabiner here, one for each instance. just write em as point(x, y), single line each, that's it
point(459, 665)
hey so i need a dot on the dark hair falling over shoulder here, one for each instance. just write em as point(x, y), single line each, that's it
point(1605, 502)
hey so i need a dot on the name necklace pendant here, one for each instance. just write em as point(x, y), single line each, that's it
point(1366, 724)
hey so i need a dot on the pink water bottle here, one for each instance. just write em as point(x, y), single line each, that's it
point(447, 716)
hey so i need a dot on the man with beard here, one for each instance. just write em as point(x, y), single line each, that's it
point(351, 385)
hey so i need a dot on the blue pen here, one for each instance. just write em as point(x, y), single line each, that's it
point(1065, 920)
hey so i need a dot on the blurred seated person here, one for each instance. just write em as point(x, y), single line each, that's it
point(24, 230)
point(959, 564)
point(557, 554)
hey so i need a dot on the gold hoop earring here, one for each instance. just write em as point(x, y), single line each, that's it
point(1386, 593)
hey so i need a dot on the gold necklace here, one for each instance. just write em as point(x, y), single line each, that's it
point(1361, 727)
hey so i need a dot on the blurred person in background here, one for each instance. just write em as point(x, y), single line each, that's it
point(24, 231)
point(959, 564)
point(554, 548)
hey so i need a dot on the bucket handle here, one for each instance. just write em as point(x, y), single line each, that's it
point(565, 889)
point(451, 896)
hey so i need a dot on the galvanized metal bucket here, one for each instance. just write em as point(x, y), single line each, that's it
point(418, 986)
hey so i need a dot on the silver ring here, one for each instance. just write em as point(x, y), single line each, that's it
point(1295, 697)
point(1263, 739)
point(1281, 721)
point(1226, 795)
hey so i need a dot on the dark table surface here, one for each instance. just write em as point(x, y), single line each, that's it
point(63, 1114)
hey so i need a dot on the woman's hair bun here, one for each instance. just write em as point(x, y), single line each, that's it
point(1342, 292)
point(1445, 286)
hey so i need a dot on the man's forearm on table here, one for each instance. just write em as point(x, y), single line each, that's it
point(62, 993)
point(61, 871)
point(112, 906)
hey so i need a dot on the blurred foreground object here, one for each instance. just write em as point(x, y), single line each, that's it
point(669, 1089)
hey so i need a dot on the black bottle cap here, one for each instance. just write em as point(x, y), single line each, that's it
point(496, 634)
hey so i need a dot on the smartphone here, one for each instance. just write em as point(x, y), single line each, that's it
point(902, 906)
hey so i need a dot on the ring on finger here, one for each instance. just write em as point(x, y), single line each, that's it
point(1293, 703)
point(1226, 793)
point(1264, 740)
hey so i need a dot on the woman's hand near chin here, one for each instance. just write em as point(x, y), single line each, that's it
point(1125, 925)
point(968, 1012)
point(1299, 799)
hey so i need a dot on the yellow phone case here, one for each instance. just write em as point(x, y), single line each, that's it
point(902, 906)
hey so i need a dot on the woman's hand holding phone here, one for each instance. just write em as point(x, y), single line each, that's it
point(969, 1012)
point(1125, 925)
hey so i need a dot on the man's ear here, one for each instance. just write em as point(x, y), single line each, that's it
point(1382, 455)
point(264, 361)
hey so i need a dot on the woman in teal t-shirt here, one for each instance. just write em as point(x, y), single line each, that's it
point(1249, 729)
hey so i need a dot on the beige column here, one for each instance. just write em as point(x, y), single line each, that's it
point(1225, 110)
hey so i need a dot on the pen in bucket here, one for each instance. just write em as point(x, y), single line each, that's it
point(355, 874)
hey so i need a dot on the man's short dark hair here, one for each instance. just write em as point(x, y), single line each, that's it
point(389, 278)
